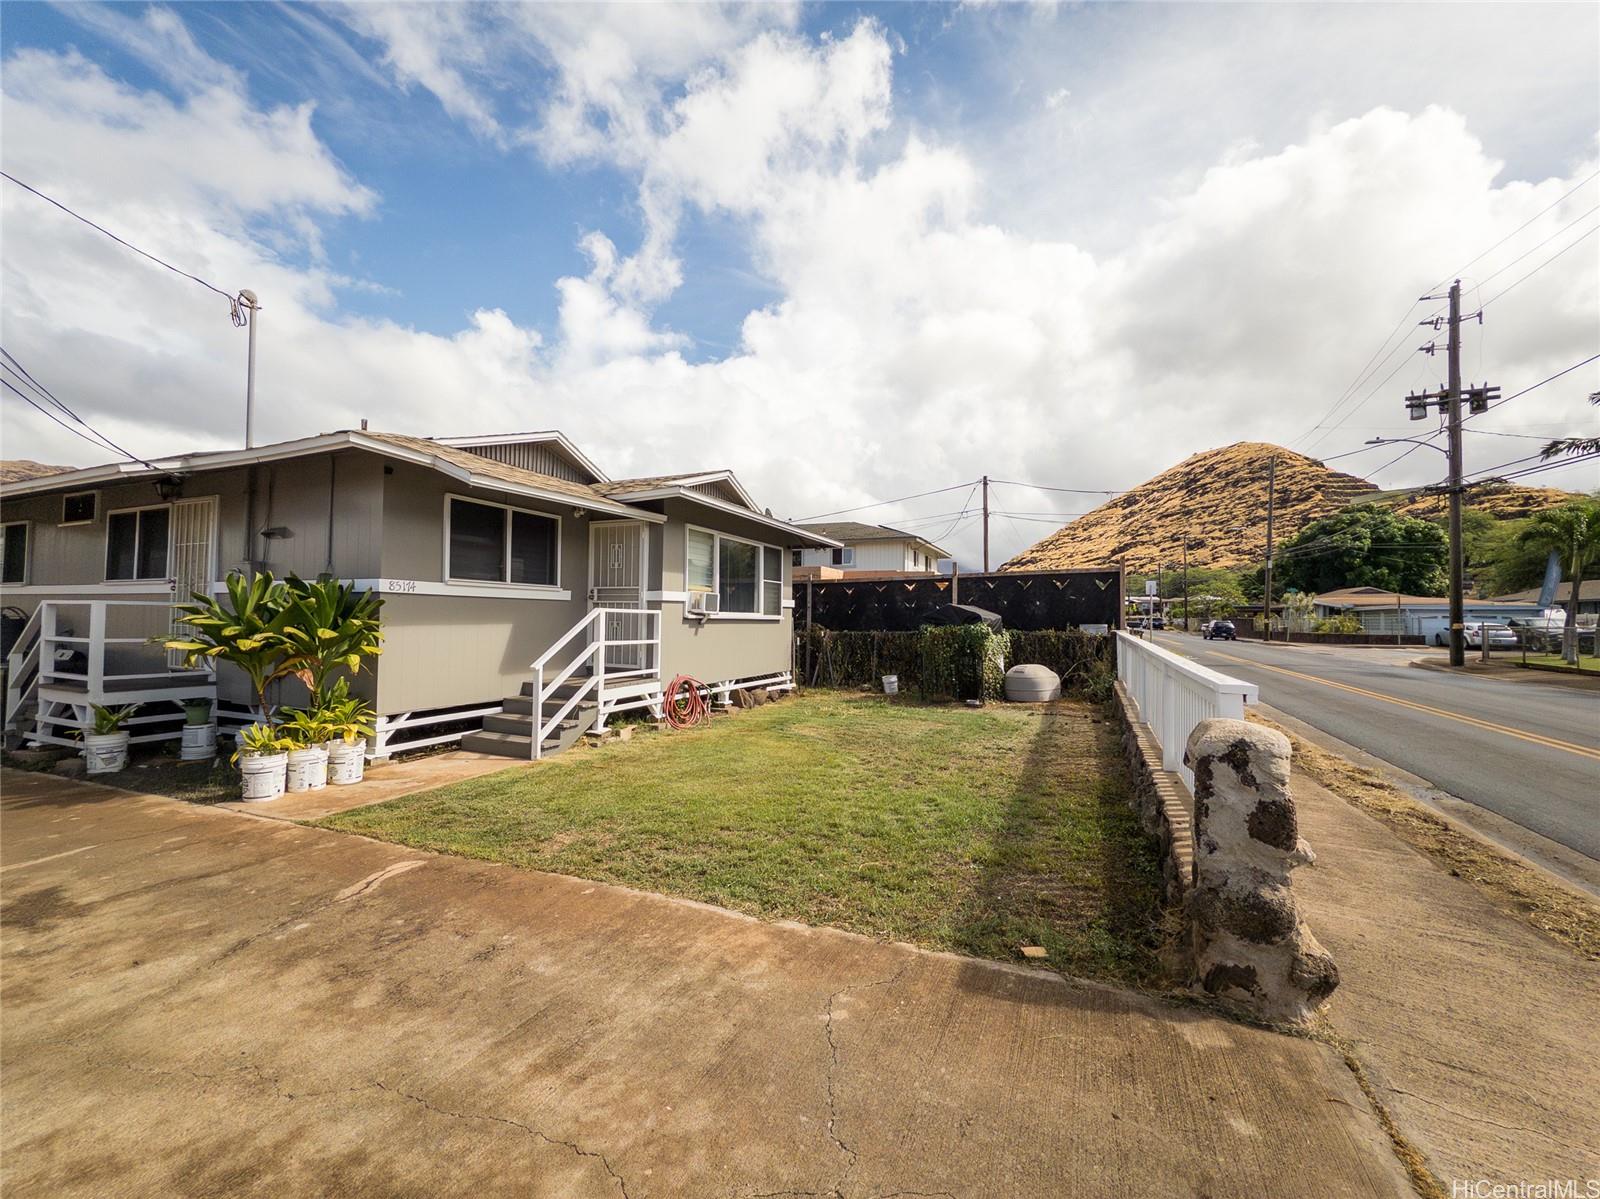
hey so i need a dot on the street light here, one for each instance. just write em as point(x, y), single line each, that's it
point(1409, 441)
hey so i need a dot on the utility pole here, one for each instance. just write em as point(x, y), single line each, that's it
point(985, 523)
point(1448, 401)
point(1266, 592)
point(1186, 580)
point(247, 300)
point(1458, 647)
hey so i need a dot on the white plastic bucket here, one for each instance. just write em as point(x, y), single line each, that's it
point(262, 775)
point(347, 762)
point(308, 769)
point(105, 753)
point(891, 684)
point(199, 743)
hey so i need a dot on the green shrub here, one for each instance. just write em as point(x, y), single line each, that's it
point(960, 662)
point(1338, 624)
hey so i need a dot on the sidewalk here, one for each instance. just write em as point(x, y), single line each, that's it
point(201, 1003)
point(1503, 668)
point(1481, 1036)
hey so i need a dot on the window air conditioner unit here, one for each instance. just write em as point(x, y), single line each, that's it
point(704, 603)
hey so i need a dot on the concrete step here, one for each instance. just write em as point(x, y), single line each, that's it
point(506, 745)
point(522, 705)
point(564, 691)
point(521, 724)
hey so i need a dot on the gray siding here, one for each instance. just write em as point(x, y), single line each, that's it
point(543, 457)
point(716, 650)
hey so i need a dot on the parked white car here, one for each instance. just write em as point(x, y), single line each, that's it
point(1472, 632)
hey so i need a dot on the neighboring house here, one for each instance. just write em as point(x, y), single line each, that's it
point(492, 554)
point(1588, 596)
point(866, 549)
point(1384, 612)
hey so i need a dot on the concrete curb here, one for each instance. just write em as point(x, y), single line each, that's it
point(1511, 673)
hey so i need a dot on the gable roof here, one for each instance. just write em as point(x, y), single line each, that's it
point(471, 469)
point(642, 486)
point(850, 531)
point(541, 437)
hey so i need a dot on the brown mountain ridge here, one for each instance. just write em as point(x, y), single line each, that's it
point(1218, 498)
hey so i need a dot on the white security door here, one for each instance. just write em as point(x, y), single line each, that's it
point(193, 562)
point(616, 580)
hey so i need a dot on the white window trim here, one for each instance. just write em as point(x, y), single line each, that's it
point(716, 573)
point(847, 557)
point(64, 523)
point(509, 587)
point(27, 550)
point(105, 557)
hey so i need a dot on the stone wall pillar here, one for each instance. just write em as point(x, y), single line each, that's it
point(1250, 946)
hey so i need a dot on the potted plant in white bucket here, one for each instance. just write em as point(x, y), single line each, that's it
point(263, 761)
point(308, 731)
point(350, 719)
point(199, 731)
point(105, 747)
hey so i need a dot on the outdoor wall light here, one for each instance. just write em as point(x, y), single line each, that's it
point(278, 533)
point(169, 487)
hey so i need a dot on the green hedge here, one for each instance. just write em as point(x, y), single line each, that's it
point(959, 662)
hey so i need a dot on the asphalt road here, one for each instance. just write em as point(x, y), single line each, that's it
point(1525, 751)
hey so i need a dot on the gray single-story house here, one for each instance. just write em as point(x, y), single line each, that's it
point(517, 579)
point(1384, 612)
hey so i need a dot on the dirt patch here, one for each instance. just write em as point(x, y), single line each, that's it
point(1543, 904)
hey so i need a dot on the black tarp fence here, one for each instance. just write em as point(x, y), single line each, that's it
point(1031, 600)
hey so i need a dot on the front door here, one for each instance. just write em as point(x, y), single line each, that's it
point(194, 536)
point(616, 580)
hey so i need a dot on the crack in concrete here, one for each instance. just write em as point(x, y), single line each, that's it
point(1460, 1115)
point(531, 1131)
point(833, 1067)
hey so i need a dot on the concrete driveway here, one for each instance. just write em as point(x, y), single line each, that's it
point(197, 1002)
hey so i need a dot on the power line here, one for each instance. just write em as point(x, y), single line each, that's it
point(1538, 268)
point(1069, 490)
point(1576, 187)
point(1540, 383)
point(94, 436)
point(26, 398)
point(885, 503)
point(1537, 245)
point(239, 317)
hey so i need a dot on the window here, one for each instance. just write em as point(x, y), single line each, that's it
point(14, 552)
point(746, 577)
point(136, 543)
point(699, 568)
point(78, 509)
point(491, 543)
point(845, 556)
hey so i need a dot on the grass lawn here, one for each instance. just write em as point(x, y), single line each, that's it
point(1586, 662)
point(971, 830)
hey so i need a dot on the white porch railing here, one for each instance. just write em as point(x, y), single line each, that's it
point(1174, 694)
point(75, 653)
point(631, 679)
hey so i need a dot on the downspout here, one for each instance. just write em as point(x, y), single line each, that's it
point(333, 467)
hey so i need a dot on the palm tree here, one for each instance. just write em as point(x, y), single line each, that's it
point(1572, 532)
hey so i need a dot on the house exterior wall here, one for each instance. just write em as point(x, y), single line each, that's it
point(65, 561)
point(873, 557)
point(719, 647)
point(462, 647)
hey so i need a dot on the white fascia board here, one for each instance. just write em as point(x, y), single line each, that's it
point(709, 501)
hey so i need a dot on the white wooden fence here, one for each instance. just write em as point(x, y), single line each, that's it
point(1174, 694)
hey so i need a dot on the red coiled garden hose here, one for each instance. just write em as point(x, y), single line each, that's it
point(684, 703)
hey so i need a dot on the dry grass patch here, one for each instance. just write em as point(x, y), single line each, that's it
point(1554, 910)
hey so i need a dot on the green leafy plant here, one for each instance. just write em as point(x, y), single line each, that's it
point(246, 631)
point(347, 716)
point(1572, 531)
point(328, 626)
point(260, 740)
point(1338, 624)
point(197, 711)
point(110, 720)
point(306, 727)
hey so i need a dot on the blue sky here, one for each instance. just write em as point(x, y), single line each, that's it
point(853, 251)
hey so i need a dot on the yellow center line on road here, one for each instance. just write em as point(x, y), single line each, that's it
point(1549, 742)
